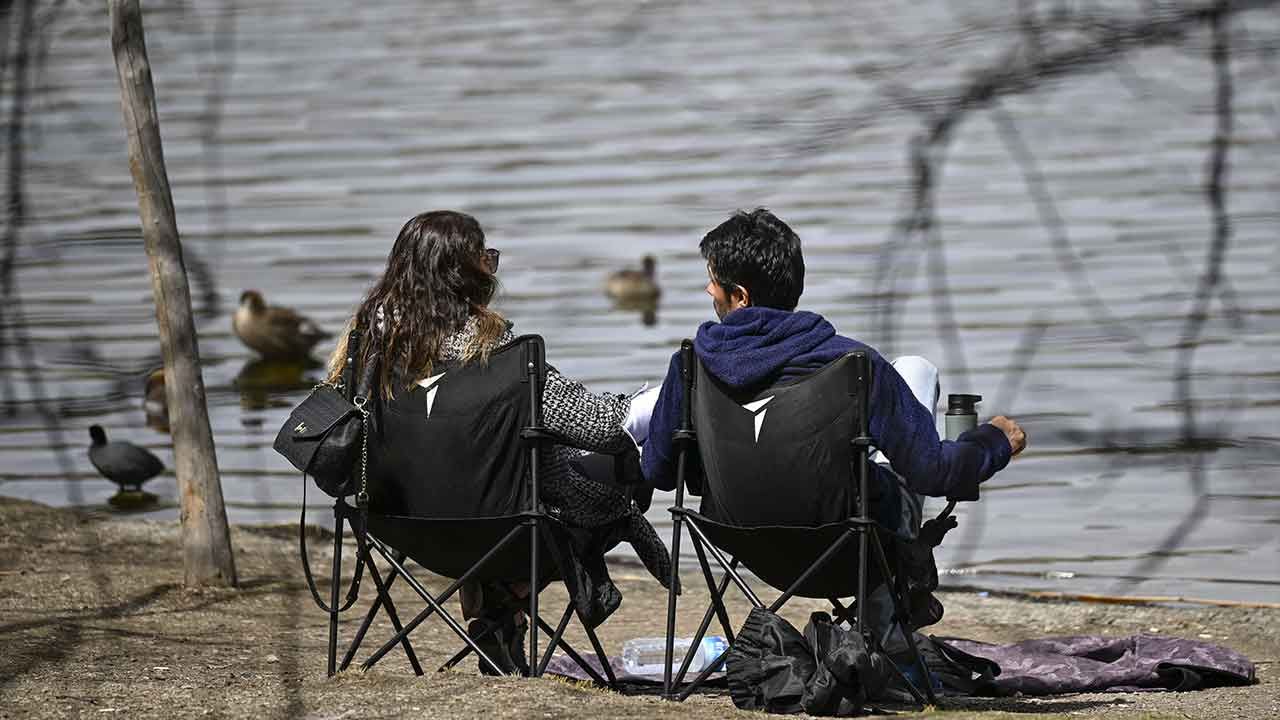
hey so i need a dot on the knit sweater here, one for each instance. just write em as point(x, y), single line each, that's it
point(756, 347)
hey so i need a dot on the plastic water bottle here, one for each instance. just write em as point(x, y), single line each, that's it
point(648, 656)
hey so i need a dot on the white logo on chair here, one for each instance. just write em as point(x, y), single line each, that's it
point(431, 385)
point(758, 409)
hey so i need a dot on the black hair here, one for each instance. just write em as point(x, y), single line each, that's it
point(757, 251)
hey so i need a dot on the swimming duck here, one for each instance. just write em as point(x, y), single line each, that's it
point(276, 333)
point(154, 404)
point(123, 463)
point(632, 286)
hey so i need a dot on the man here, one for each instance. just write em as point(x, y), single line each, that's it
point(755, 276)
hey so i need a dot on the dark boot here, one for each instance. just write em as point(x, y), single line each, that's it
point(503, 641)
point(515, 644)
point(489, 637)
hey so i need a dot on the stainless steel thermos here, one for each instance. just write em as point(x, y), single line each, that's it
point(962, 414)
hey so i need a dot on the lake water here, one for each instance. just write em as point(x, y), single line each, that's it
point(300, 136)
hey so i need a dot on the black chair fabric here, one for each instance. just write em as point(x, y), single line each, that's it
point(778, 485)
point(779, 455)
point(453, 450)
point(448, 470)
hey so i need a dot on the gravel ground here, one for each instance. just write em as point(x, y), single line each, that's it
point(94, 621)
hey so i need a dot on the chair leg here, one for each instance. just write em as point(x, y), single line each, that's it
point(384, 591)
point(557, 640)
point(541, 667)
point(702, 676)
point(369, 616)
point(862, 572)
point(902, 615)
point(600, 655)
point(677, 524)
point(334, 583)
point(700, 541)
point(568, 649)
point(434, 607)
point(840, 613)
point(533, 598)
point(697, 536)
point(717, 594)
point(433, 603)
point(897, 671)
point(730, 570)
point(466, 650)
point(715, 604)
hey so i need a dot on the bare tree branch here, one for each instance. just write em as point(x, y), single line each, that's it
point(1053, 224)
point(1206, 289)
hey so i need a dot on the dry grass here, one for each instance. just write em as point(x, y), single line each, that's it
point(94, 622)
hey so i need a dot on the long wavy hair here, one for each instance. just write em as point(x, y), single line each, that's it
point(437, 278)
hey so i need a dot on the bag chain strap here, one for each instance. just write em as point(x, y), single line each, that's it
point(362, 497)
point(360, 401)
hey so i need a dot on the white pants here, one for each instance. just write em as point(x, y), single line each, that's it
point(637, 422)
point(922, 377)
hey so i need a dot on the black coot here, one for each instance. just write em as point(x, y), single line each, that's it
point(123, 463)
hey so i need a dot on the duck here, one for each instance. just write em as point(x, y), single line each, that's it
point(154, 404)
point(635, 286)
point(275, 333)
point(121, 462)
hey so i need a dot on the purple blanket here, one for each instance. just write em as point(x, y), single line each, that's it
point(1110, 664)
point(1052, 666)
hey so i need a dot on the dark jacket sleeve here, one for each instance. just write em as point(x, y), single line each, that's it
point(657, 460)
point(904, 430)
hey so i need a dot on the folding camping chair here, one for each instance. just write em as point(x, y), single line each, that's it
point(773, 462)
point(470, 516)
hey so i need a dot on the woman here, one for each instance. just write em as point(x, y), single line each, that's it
point(431, 307)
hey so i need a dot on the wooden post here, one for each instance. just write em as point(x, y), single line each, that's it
point(206, 539)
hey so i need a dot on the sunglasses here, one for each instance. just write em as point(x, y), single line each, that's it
point(491, 256)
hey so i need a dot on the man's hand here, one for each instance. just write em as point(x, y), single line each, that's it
point(1012, 431)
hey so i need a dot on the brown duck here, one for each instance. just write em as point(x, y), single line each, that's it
point(154, 405)
point(635, 286)
point(275, 333)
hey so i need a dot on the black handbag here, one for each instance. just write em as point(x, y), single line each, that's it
point(324, 437)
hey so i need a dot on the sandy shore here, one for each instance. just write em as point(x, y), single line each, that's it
point(94, 621)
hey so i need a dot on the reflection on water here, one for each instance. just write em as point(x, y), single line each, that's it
point(265, 383)
point(647, 310)
point(134, 501)
point(580, 153)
